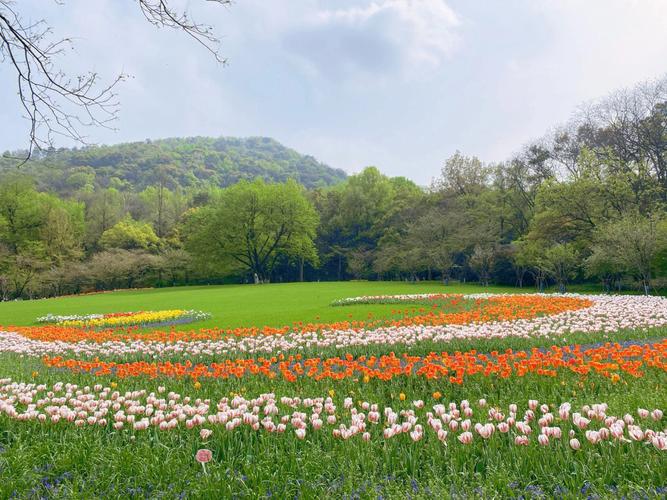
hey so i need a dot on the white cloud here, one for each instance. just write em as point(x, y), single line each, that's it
point(379, 37)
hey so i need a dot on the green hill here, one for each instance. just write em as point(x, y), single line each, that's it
point(184, 162)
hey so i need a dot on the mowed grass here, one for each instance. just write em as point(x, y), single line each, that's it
point(239, 305)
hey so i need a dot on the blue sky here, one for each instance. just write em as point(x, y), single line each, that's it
point(400, 84)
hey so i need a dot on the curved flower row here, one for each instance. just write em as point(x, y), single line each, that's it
point(396, 299)
point(456, 423)
point(55, 318)
point(607, 314)
point(501, 307)
point(124, 319)
point(609, 360)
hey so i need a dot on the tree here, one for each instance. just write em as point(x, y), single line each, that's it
point(20, 214)
point(600, 264)
point(129, 234)
point(481, 261)
point(633, 244)
point(57, 104)
point(163, 206)
point(464, 175)
point(118, 268)
point(356, 215)
point(104, 209)
point(560, 262)
point(530, 255)
point(248, 226)
point(37, 230)
point(435, 235)
point(175, 263)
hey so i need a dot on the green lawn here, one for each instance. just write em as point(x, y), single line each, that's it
point(238, 305)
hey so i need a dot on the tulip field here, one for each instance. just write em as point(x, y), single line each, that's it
point(349, 390)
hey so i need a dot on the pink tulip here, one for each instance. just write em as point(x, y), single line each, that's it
point(521, 440)
point(523, 427)
point(593, 437)
point(204, 456)
point(465, 437)
point(616, 431)
point(485, 431)
point(660, 442)
point(636, 433)
point(643, 413)
point(416, 436)
point(543, 439)
point(575, 444)
point(205, 433)
point(656, 414)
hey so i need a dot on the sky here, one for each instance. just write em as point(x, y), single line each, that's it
point(399, 84)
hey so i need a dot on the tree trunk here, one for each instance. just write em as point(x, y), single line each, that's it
point(340, 266)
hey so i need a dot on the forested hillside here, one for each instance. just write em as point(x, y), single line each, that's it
point(176, 163)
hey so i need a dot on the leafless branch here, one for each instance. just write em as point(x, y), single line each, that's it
point(160, 14)
point(57, 104)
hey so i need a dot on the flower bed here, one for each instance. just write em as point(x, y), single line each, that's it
point(126, 319)
point(416, 298)
point(610, 360)
point(455, 423)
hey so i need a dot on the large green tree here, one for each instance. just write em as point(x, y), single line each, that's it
point(249, 226)
point(37, 230)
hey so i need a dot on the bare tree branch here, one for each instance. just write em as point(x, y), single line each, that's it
point(160, 14)
point(57, 104)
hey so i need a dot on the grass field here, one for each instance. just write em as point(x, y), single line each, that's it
point(44, 460)
point(237, 305)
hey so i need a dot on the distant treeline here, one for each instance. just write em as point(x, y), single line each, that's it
point(584, 203)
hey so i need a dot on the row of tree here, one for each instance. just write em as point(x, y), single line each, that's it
point(586, 202)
